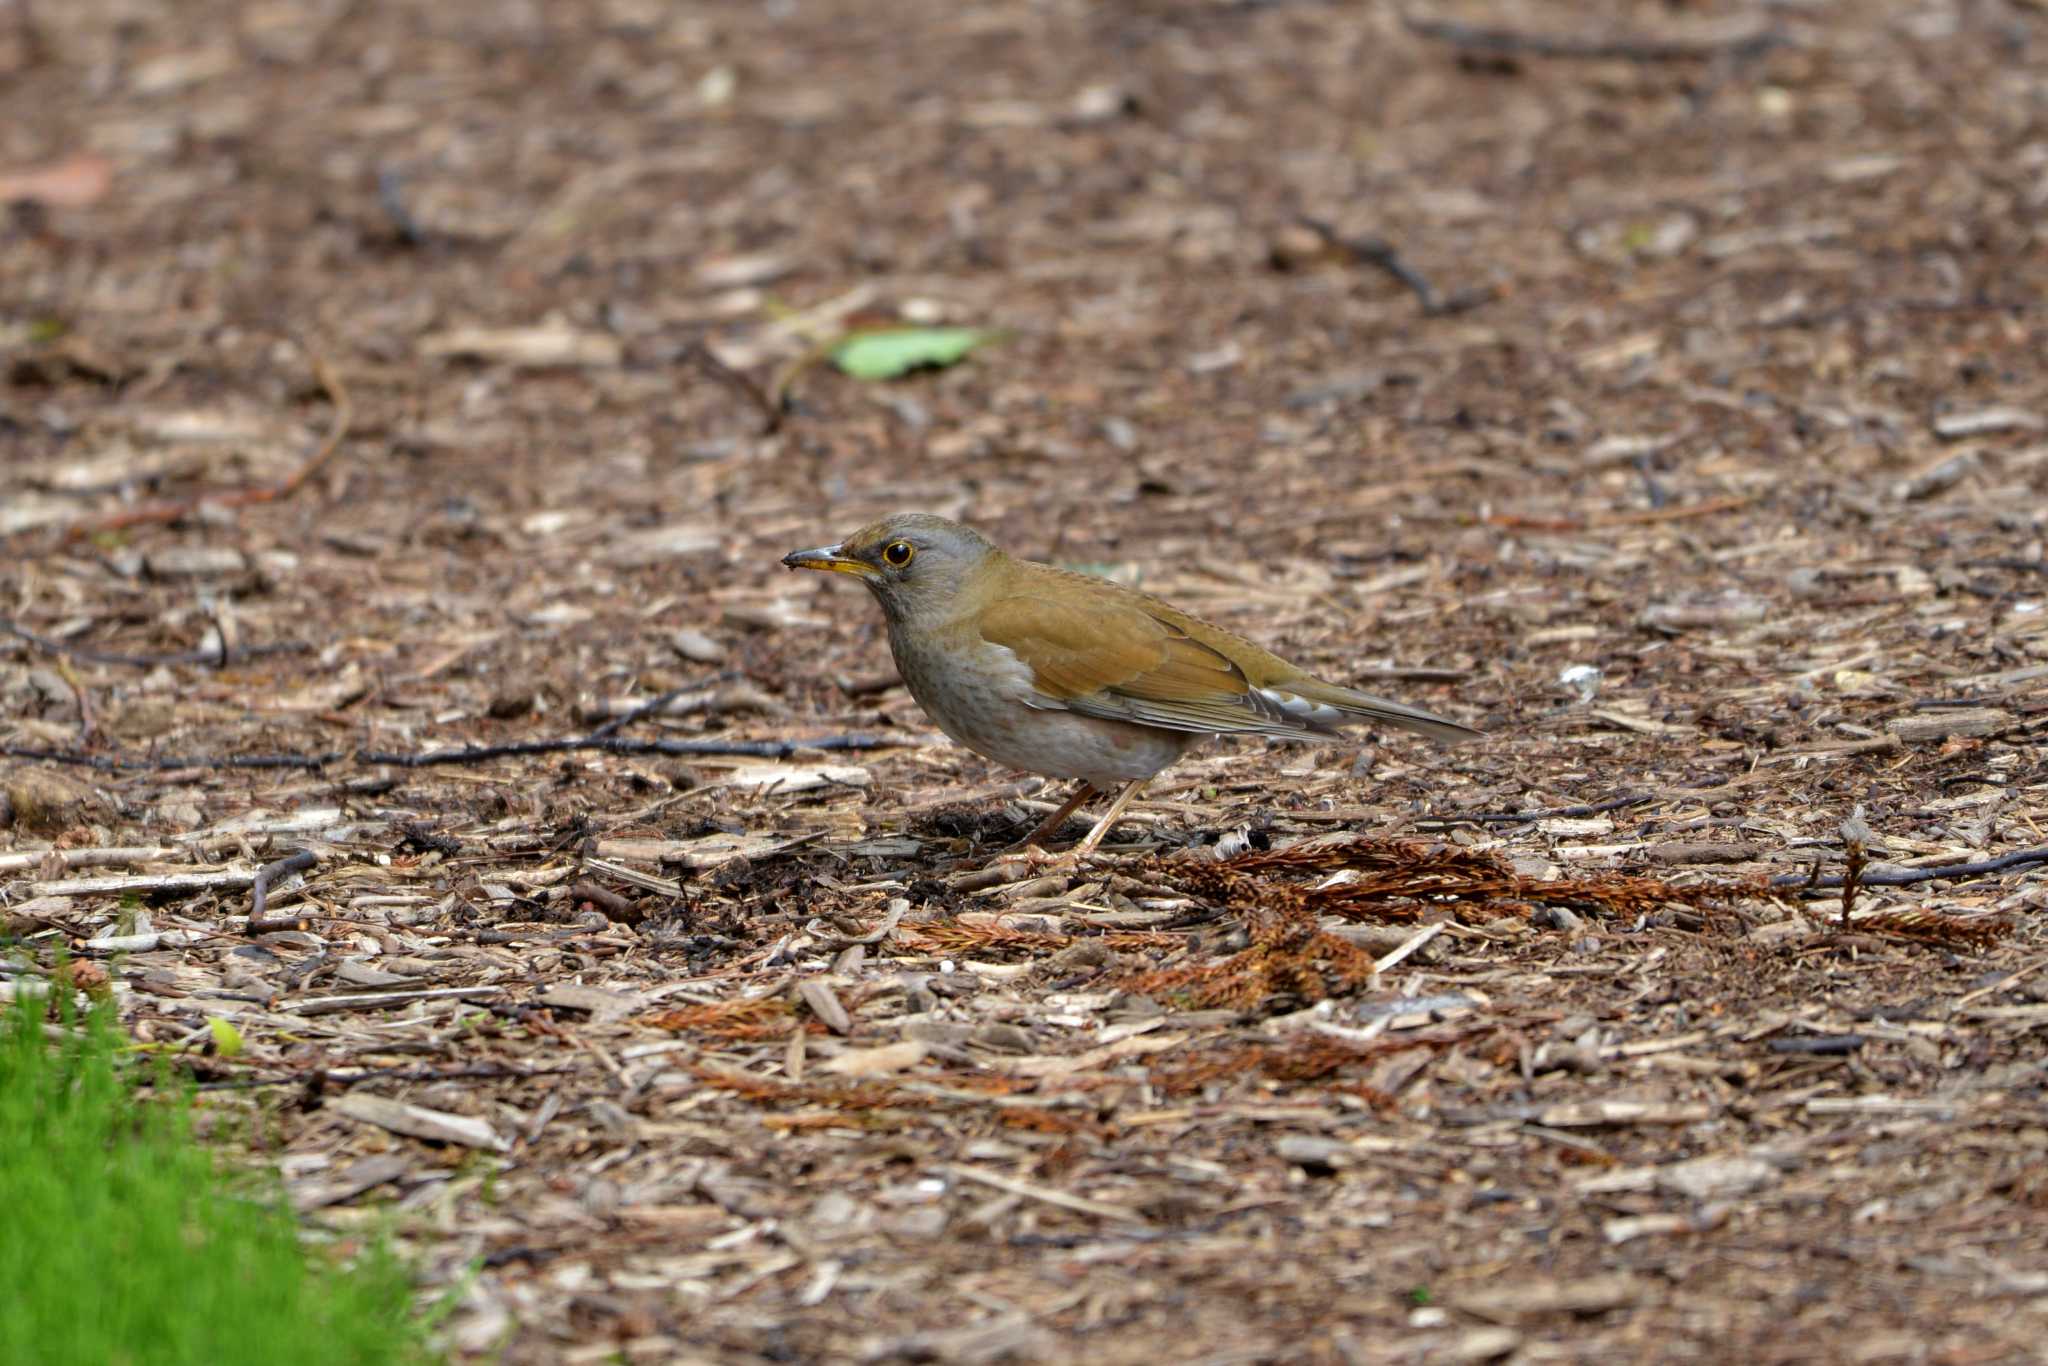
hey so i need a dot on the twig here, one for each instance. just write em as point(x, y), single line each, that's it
point(468, 754)
point(1627, 799)
point(1906, 877)
point(1854, 835)
point(1502, 42)
point(1377, 251)
point(1636, 517)
point(391, 198)
point(1032, 1191)
point(219, 658)
point(2013, 563)
point(649, 708)
point(705, 359)
point(156, 514)
point(259, 891)
point(478, 1072)
point(88, 722)
point(110, 763)
point(611, 744)
point(614, 906)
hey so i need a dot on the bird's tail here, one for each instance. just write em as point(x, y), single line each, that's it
point(1351, 705)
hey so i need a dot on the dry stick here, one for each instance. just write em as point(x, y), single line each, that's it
point(1638, 517)
point(707, 360)
point(1377, 251)
point(218, 657)
point(1906, 877)
point(611, 744)
point(480, 1071)
point(469, 754)
point(156, 514)
point(1556, 813)
point(298, 861)
point(648, 708)
point(88, 721)
point(107, 763)
point(614, 906)
point(391, 199)
point(1502, 42)
point(1852, 879)
point(2016, 565)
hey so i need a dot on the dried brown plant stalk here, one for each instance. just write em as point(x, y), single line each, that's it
point(970, 938)
point(1399, 881)
point(1289, 956)
point(1934, 927)
point(1309, 1059)
point(765, 1018)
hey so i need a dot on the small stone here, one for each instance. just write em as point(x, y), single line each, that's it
point(46, 802)
point(696, 647)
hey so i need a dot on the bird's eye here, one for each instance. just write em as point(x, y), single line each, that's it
point(898, 553)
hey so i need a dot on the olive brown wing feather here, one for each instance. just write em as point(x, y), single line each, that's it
point(1110, 658)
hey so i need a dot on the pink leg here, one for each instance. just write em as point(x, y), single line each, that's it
point(1109, 818)
point(1049, 827)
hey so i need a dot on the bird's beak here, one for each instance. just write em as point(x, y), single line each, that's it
point(828, 557)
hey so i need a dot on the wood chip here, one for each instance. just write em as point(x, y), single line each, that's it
point(181, 883)
point(1533, 1299)
point(605, 1007)
point(544, 347)
point(1594, 1114)
point(824, 1003)
point(415, 1121)
point(358, 1177)
point(1045, 1194)
point(1947, 723)
point(876, 1062)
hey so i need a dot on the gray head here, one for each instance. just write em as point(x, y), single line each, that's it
point(914, 563)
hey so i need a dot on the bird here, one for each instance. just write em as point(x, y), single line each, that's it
point(1072, 676)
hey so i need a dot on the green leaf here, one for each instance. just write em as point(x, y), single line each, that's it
point(227, 1040)
point(892, 352)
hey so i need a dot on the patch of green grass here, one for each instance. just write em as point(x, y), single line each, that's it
point(126, 1241)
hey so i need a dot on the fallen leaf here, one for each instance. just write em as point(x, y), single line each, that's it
point(227, 1040)
point(892, 352)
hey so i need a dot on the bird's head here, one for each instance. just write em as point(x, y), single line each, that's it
point(915, 564)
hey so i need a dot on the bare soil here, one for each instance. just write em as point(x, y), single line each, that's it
point(379, 380)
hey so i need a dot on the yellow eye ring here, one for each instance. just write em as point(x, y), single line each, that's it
point(896, 554)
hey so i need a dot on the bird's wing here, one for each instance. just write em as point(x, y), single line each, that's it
point(1108, 657)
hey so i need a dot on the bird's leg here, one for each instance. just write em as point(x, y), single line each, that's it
point(1050, 826)
point(1109, 818)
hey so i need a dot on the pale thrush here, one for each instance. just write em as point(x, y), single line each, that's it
point(1073, 676)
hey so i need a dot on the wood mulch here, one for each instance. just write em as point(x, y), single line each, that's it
point(405, 719)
